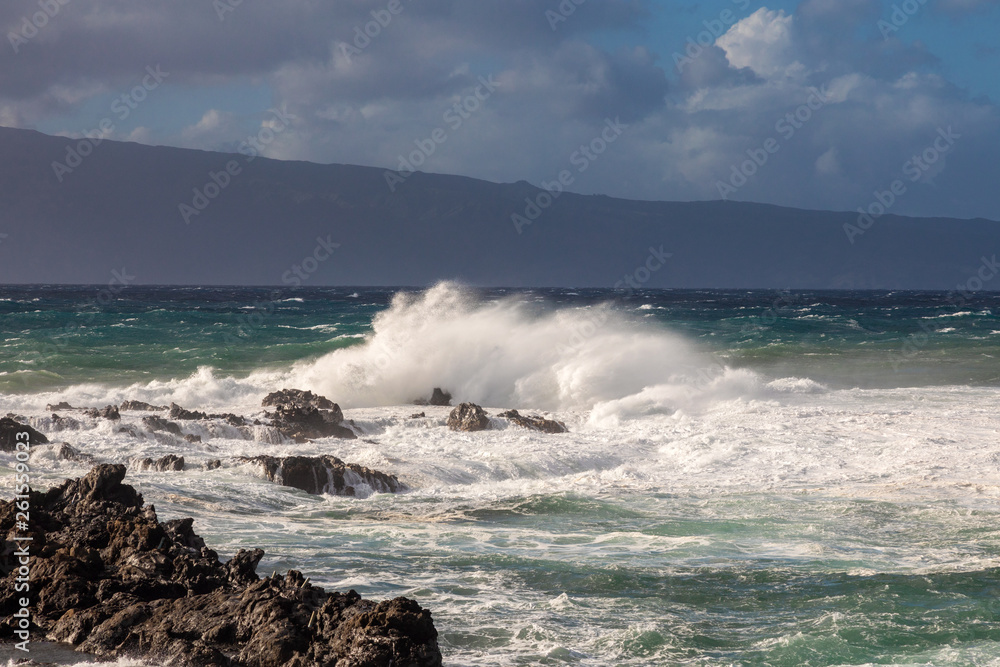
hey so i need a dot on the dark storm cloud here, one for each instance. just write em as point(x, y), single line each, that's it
point(367, 99)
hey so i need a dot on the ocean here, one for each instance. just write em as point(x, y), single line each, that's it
point(749, 477)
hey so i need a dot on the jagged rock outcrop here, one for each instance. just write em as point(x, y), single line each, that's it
point(140, 405)
point(154, 423)
point(163, 464)
point(535, 422)
point(298, 397)
point(468, 417)
point(110, 579)
point(177, 412)
point(9, 428)
point(302, 415)
point(438, 397)
point(64, 423)
point(107, 412)
point(325, 474)
point(61, 405)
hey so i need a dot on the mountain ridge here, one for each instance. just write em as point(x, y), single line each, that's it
point(122, 205)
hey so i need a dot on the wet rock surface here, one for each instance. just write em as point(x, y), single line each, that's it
point(9, 429)
point(113, 581)
point(535, 422)
point(177, 412)
point(302, 415)
point(325, 474)
point(154, 424)
point(468, 417)
point(140, 405)
point(300, 398)
point(163, 464)
point(107, 412)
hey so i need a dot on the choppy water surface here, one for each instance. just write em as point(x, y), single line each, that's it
point(755, 478)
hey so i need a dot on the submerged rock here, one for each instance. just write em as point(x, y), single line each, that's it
point(468, 417)
point(154, 423)
point(9, 429)
point(325, 474)
point(111, 580)
point(64, 423)
point(163, 464)
point(107, 412)
point(177, 412)
point(140, 405)
point(535, 422)
point(68, 452)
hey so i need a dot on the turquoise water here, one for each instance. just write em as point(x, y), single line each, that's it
point(750, 478)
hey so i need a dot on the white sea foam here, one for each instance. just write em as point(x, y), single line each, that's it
point(509, 352)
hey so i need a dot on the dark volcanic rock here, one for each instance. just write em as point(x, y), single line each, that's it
point(324, 474)
point(168, 462)
point(107, 412)
point(8, 434)
point(192, 438)
point(61, 405)
point(468, 417)
point(68, 452)
point(113, 581)
point(300, 398)
point(160, 424)
point(535, 422)
point(64, 423)
point(417, 415)
point(307, 423)
point(140, 405)
point(177, 412)
point(302, 415)
point(440, 397)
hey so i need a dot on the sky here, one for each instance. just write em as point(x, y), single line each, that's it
point(818, 104)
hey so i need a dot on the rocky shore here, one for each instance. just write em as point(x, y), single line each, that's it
point(112, 580)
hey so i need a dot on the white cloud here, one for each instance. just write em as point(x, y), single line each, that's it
point(762, 42)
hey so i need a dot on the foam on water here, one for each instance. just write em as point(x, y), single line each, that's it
point(694, 513)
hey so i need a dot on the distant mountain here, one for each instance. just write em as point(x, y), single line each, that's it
point(120, 206)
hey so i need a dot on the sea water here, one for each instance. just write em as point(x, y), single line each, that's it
point(749, 477)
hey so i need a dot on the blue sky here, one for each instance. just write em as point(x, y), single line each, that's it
point(689, 133)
